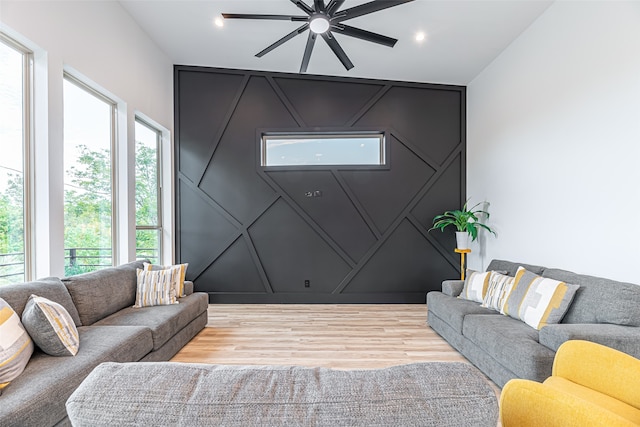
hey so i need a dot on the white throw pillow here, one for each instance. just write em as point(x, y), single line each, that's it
point(179, 280)
point(475, 286)
point(156, 287)
point(16, 346)
point(497, 291)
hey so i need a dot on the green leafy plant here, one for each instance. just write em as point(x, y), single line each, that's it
point(465, 219)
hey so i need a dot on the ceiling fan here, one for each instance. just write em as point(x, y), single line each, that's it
point(323, 20)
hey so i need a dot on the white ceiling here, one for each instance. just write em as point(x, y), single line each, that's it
point(462, 37)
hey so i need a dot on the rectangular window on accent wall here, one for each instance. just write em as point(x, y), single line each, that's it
point(15, 118)
point(148, 193)
point(318, 149)
point(89, 141)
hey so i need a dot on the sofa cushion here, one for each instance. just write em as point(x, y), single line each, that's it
point(509, 267)
point(511, 343)
point(16, 346)
point(164, 321)
point(453, 310)
point(103, 292)
point(17, 295)
point(37, 397)
point(51, 327)
point(600, 300)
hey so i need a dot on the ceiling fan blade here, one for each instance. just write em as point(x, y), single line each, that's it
point(302, 5)
point(307, 51)
point(333, 6)
point(274, 17)
point(367, 8)
point(284, 39)
point(337, 49)
point(364, 35)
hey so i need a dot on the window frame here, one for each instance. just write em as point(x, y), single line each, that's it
point(27, 150)
point(112, 157)
point(159, 188)
point(298, 133)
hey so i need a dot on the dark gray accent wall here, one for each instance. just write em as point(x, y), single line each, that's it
point(250, 234)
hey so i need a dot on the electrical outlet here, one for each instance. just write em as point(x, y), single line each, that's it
point(307, 283)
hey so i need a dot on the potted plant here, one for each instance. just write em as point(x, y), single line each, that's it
point(466, 222)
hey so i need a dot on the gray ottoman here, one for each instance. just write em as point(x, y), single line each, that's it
point(180, 394)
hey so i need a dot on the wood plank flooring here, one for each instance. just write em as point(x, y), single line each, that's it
point(336, 336)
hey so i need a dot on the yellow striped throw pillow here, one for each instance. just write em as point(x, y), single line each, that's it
point(51, 327)
point(497, 291)
point(156, 287)
point(475, 286)
point(539, 301)
point(179, 281)
point(16, 347)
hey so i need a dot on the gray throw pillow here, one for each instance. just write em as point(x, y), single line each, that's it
point(51, 327)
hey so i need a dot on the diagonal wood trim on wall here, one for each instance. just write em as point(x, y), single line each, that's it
point(249, 233)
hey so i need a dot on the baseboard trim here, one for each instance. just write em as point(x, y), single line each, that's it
point(308, 298)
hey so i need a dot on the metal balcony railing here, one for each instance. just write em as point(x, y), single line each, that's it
point(77, 260)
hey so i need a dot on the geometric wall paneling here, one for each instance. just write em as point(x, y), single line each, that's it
point(231, 177)
point(385, 193)
point(406, 263)
point(425, 210)
point(291, 252)
point(204, 104)
point(422, 116)
point(233, 271)
point(251, 234)
point(334, 212)
point(315, 102)
point(204, 230)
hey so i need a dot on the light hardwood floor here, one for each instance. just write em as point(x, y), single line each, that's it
point(337, 336)
point(343, 336)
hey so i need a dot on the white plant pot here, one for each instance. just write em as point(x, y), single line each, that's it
point(463, 240)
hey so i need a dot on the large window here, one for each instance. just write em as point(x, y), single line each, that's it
point(89, 140)
point(148, 193)
point(15, 265)
point(318, 149)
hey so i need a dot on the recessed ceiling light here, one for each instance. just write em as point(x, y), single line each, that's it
point(420, 36)
point(218, 21)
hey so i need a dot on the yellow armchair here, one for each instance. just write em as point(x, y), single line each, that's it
point(590, 385)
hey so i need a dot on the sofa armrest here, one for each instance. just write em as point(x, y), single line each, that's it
point(453, 288)
point(188, 287)
point(531, 404)
point(619, 337)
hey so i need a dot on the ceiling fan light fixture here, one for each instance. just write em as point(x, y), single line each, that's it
point(319, 24)
point(325, 18)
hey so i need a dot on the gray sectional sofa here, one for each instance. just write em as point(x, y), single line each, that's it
point(603, 311)
point(110, 329)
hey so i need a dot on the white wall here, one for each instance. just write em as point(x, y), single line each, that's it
point(100, 43)
point(554, 142)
